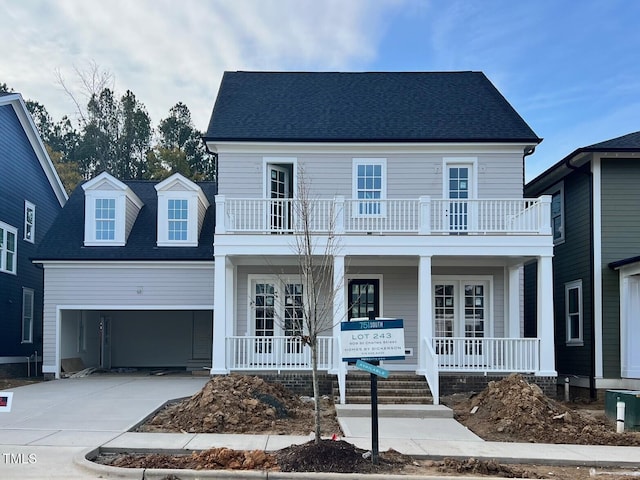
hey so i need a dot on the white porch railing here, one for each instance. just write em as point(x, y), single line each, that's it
point(276, 353)
point(431, 372)
point(461, 354)
point(423, 216)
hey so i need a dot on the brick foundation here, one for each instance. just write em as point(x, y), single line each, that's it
point(465, 383)
point(300, 383)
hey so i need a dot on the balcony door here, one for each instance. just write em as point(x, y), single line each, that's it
point(461, 309)
point(278, 312)
point(280, 189)
point(458, 188)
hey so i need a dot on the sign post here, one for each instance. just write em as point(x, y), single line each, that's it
point(367, 342)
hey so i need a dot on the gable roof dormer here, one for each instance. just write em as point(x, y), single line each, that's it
point(182, 206)
point(111, 209)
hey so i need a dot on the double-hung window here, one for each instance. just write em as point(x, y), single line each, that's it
point(573, 309)
point(29, 221)
point(105, 215)
point(369, 186)
point(8, 248)
point(178, 215)
point(27, 315)
point(557, 213)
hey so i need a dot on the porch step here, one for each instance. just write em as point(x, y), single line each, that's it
point(395, 411)
point(398, 389)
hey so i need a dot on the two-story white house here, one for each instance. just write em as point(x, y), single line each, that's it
point(420, 178)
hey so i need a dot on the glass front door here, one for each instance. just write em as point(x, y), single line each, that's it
point(364, 297)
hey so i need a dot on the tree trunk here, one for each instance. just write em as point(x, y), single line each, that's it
point(316, 389)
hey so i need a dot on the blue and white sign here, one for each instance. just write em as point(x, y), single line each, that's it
point(375, 369)
point(379, 339)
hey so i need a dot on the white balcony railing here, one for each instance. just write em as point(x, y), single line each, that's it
point(461, 354)
point(276, 353)
point(423, 216)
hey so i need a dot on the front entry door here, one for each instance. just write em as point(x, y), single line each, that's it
point(364, 297)
point(461, 309)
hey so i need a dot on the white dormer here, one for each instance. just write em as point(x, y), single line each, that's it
point(110, 210)
point(181, 208)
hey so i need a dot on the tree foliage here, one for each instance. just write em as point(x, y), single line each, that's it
point(116, 135)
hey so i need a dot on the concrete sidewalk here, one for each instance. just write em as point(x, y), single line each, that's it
point(52, 426)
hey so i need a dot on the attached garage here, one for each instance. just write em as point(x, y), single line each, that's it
point(124, 339)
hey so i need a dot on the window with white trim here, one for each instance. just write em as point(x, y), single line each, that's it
point(105, 215)
point(27, 315)
point(573, 309)
point(369, 185)
point(178, 215)
point(8, 248)
point(29, 221)
point(557, 213)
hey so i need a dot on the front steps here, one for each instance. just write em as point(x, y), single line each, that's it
point(395, 411)
point(400, 388)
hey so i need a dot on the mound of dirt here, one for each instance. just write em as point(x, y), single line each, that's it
point(514, 410)
point(242, 404)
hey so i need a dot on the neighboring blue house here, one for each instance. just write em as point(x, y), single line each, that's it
point(32, 196)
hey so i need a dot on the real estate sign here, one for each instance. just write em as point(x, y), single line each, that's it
point(372, 340)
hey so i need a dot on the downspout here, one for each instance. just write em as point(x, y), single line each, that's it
point(592, 355)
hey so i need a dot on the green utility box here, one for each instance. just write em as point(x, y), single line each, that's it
point(631, 399)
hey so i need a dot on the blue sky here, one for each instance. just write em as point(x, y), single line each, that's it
point(571, 68)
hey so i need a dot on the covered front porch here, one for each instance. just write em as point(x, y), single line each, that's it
point(461, 315)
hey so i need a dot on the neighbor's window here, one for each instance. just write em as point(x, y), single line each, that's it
point(369, 185)
point(27, 315)
point(105, 218)
point(573, 308)
point(29, 221)
point(178, 213)
point(8, 247)
point(557, 216)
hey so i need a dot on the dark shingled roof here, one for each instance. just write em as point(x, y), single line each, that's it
point(630, 141)
point(65, 239)
point(364, 107)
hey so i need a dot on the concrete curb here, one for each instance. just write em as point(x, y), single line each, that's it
point(107, 472)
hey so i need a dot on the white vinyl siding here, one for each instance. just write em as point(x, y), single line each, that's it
point(409, 175)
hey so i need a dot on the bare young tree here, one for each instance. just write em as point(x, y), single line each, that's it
point(315, 254)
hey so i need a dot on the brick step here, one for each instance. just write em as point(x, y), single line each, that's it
point(389, 400)
point(383, 392)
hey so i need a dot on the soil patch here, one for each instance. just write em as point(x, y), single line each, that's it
point(513, 410)
point(9, 383)
point(243, 404)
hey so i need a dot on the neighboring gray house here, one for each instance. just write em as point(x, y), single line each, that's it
point(420, 175)
point(128, 275)
point(595, 215)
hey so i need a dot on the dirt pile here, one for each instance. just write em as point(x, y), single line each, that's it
point(514, 410)
point(242, 404)
point(212, 459)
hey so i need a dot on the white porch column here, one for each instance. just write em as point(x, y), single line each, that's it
point(339, 367)
point(513, 319)
point(545, 317)
point(220, 288)
point(425, 308)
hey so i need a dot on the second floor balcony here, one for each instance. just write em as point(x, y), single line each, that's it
point(421, 216)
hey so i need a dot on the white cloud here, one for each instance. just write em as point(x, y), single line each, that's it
point(167, 51)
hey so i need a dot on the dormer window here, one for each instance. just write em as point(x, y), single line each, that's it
point(181, 208)
point(178, 213)
point(111, 209)
point(105, 218)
